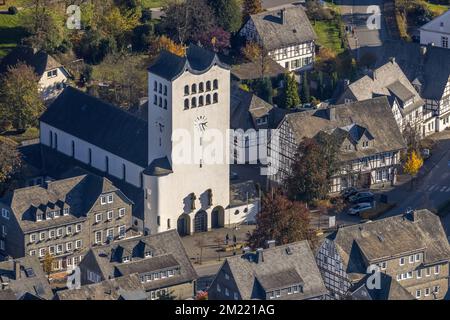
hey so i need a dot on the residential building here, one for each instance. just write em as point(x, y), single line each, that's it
point(64, 218)
point(52, 75)
point(424, 67)
point(187, 96)
point(412, 249)
point(286, 35)
point(367, 134)
point(159, 260)
point(437, 31)
point(286, 272)
point(389, 289)
point(390, 81)
point(24, 279)
point(123, 288)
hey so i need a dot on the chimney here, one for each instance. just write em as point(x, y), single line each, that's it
point(246, 250)
point(331, 112)
point(259, 255)
point(283, 16)
point(392, 59)
point(423, 50)
point(270, 243)
point(411, 215)
point(17, 270)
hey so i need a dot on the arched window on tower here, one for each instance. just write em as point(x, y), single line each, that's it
point(208, 85)
point(160, 88)
point(201, 87)
point(186, 90)
point(155, 86)
point(208, 99)
point(194, 88)
point(201, 101)
point(215, 97)
point(216, 84)
point(165, 90)
point(194, 102)
point(165, 104)
point(160, 102)
point(186, 104)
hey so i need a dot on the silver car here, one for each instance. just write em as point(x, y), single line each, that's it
point(360, 207)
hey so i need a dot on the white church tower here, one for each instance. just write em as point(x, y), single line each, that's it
point(187, 180)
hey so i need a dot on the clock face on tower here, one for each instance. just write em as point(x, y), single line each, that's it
point(201, 123)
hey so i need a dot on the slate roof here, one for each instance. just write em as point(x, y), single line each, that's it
point(275, 34)
point(77, 193)
point(439, 24)
point(421, 65)
point(32, 278)
point(168, 251)
point(373, 115)
point(387, 80)
point(197, 60)
point(101, 124)
point(278, 269)
point(252, 70)
point(39, 60)
point(390, 290)
point(389, 238)
point(124, 288)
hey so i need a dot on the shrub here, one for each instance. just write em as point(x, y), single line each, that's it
point(13, 10)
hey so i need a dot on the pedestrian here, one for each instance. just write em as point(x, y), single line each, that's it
point(227, 238)
point(234, 239)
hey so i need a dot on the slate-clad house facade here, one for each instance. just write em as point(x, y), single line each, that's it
point(412, 249)
point(64, 218)
point(286, 34)
point(286, 272)
point(366, 131)
point(53, 77)
point(390, 81)
point(159, 260)
point(437, 31)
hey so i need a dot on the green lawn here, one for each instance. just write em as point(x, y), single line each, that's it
point(10, 32)
point(328, 34)
point(29, 134)
point(153, 3)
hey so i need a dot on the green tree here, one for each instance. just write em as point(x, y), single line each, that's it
point(282, 220)
point(264, 89)
point(228, 14)
point(315, 163)
point(291, 98)
point(20, 101)
point(252, 7)
point(305, 92)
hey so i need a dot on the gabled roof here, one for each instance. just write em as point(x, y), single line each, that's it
point(277, 33)
point(390, 289)
point(197, 61)
point(373, 115)
point(281, 267)
point(440, 24)
point(387, 80)
point(41, 61)
point(32, 280)
point(252, 70)
point(422, 65)
point(397, 236)
point(78, 193)
point(124, 288)
point(99, 123)
point(168, 252)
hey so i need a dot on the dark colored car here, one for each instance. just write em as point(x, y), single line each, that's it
point(361, 197)
point(348, 192)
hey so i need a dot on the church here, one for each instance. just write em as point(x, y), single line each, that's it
point(187, 97)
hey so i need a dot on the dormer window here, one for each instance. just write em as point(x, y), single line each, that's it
point(66, 211)
point(39, 217)
point(148, 254)
point(126, 259)
point(50, 215)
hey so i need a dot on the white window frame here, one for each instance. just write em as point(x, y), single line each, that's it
point(110, 232)
point(32, 253)
point(411, 259)
point(59, 248)
point(121, 212)
point(33, 237)
point(78, 228)
point(110, 198)
point(110, 215)
point(42, 252)
point(78, 244)
point(119, 232)
point(417, 257)
point(402, 261)
point(52, 234)
point(418, 294)
point(98, 217)
point(103, 200)
point(69, 246)
point(419, 273)
point(68, 230)
point(59, 232)
point(41, 236)
point(437, 269)
point(96, 239)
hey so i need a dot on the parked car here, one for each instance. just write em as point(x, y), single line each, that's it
point(425, 153)
point(348, 192)
point(361, 197)
point(234, 175)
point(360, 207)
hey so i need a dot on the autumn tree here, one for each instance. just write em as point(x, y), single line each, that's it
point(316, 160)
point(291, 98)
point(47, 264)
point(256, 53)
point(282, 220)
point(228, 14)
point(10, 161)
point(187, 19)
point(216, 40)
point(20, 101)
point(413, 163)
point(252, 7)
point(165, 43)
point(326, 61)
